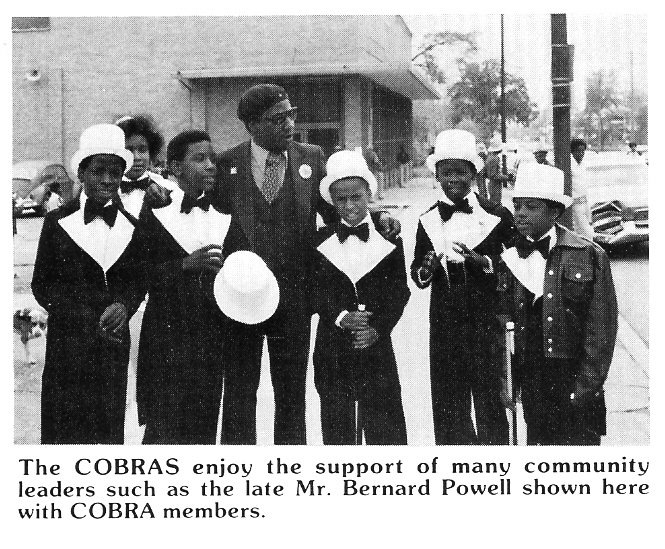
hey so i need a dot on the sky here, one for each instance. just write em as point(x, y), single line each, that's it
point(600, 42)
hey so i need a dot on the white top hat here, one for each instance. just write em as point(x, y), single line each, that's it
point(346, 164)
point(102, 139)
point(455, 145)
point(245, 288)
point(540, 181)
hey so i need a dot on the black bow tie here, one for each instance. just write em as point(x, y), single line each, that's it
point(361, 231)
point(94, 209)
point(129, 186)
point(526, 247)
point(189, 202)
point(446, 210)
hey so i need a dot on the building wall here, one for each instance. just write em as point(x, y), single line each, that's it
point(98, 69)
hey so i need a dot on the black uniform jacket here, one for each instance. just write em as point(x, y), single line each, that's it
point(182, 335)
point(382, 289)
point(84, 380)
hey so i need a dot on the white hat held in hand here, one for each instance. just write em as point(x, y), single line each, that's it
point(540, 181)
point(102, 139)
point(344, 164)
point(455, 145)
point(245, 288)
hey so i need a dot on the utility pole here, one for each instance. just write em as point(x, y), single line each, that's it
point(503, 101)
point(562, 76)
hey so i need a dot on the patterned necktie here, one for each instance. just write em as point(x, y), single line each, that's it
point(526, 247)
point(271, 177)
point(361, 231)
point(446, 210)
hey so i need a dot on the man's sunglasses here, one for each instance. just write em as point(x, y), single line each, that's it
point(281, 117)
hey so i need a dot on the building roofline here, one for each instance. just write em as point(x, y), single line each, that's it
point(400, 79)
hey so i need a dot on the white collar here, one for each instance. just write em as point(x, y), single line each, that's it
point(551, 233)
point(367, 219)
point(259, 154)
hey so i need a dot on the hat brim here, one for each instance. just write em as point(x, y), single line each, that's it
point(564, 200)
point(82, 154)
point(328, 180)
point(433, 159)
point(259, 312)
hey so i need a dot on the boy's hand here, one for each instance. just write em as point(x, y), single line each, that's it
point(208, 258)
point(389, 227)
point(355, 320)
point(157, 196)
point(470, 255)
point(431, 262)
point(112, 322)
point(362, 339)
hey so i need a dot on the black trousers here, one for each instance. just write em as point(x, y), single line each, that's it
point(288, 334)
point(379, 414)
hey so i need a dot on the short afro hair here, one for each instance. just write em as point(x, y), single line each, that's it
point(577, 142)
point(177, 147)
point(142, 125)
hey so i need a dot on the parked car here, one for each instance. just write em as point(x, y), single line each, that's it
point(618, 196)
point(31, 180)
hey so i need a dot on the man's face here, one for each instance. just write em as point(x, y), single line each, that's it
point(350, 197)
point(455, 177)
point(274, 130)
point(138, 145)
point(541, 157)
point(196, 172)
point(534, 217)
point(578, 153)
point(102, 177)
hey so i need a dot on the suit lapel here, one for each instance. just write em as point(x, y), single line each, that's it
point(241, 191)
point(302, 187)
point(105, 256)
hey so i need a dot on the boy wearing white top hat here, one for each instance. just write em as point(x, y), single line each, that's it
point(454, 242)
point(87, 276)
point(180, 368)
point(562, 299)
point(360, 292)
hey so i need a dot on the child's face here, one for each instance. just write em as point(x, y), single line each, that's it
point(101, 177)
point(196, 172)
point(455, 177)
point(534, 217)
point(138, 145)
point(350, 197)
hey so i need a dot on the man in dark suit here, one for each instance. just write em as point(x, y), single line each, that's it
point(271, 185)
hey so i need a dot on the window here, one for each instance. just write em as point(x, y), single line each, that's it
point(30, 23)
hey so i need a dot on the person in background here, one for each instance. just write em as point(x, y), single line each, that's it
point(54, 200)
point(139, 184)
point(494, 173)
point(481, 176)
point(562, 299)
point(540, 154)
point(87, 276)
point(455, 241)
point(376, 167)
point(632, 149)
point(403, 160)
point(581, 213)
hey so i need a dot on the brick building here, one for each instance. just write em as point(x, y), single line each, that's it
point(350, 77)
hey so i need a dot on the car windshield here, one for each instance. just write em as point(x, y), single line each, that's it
point(615, 175)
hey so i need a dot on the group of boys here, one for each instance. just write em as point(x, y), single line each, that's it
point(266, 196)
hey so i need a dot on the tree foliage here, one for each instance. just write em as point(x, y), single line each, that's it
point(426, 58)
point(477, 97)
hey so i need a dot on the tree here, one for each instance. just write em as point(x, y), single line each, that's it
point(477, 97)
point(604, 109)
point(432, 43)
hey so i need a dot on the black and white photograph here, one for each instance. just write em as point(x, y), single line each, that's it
point(396, 229)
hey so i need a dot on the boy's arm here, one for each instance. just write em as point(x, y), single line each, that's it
point(600, 330)
point(395, 293)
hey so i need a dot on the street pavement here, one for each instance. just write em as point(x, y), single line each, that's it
point(627, 386)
